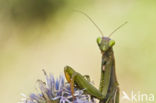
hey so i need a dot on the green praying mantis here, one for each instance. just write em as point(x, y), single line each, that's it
point(108, 91)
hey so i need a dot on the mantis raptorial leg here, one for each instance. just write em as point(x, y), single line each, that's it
point(108, 90)
point(71, 81)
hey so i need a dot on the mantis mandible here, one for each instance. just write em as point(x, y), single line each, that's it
point(108, 89)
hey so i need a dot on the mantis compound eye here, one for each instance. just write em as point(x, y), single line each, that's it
point(99, 39)
point(111, 43)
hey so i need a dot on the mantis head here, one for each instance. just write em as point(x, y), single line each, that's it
point(105, 43)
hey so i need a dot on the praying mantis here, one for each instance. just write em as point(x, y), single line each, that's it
point(108, 91)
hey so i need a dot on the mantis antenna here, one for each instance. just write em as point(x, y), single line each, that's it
point(117, 28)
point(91, 21)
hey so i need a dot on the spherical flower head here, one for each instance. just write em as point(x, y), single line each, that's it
point(56, 91)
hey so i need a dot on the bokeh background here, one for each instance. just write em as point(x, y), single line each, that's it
point(47, 34)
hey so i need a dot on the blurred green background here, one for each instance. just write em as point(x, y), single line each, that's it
point(47, 34)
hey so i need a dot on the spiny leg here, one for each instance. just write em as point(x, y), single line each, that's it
point(87, 77)
point(71, 81)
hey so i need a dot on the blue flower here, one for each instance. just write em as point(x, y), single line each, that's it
point(56, 91)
